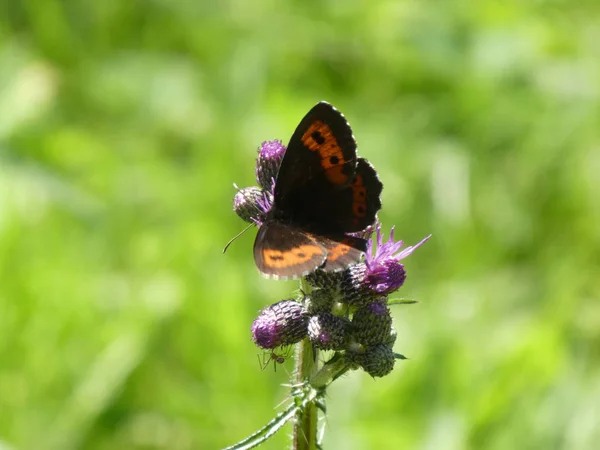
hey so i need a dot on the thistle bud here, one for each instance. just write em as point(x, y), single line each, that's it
point(391, 338)
point(354, 287)
point(283, 323)
point(325, 280)
point(270, 155)
point(378, 360)
point(320, 300)
point(328, 332)
point(372, 323)
point(251, 204)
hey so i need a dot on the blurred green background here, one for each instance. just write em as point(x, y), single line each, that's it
point(122, 128)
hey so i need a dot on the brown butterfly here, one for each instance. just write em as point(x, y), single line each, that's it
point(323, 191)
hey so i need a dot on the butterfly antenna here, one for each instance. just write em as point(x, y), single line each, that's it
point(237, 236)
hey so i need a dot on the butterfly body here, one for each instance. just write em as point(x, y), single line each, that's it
point(323, 191)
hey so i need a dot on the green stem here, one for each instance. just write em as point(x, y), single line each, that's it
point(334, 368)
point(305, 427)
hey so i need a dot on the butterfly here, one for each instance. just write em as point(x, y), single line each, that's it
point(323, 191)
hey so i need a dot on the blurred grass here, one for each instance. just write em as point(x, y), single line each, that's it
point(122, 128)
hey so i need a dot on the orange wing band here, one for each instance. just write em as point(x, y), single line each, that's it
point(338, 251)
point(296, 256)
point(319, 138)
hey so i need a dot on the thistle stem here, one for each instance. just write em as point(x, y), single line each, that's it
point(305, 426)
point(334, 368)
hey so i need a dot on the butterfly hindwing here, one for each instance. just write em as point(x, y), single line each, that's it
point(347, 209)
point(281, 251)
point(355, 207)
point(342, 251)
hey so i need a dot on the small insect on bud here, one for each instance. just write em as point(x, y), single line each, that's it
point(270, 155)
point(328, 332)
point(282, 323)
point(372, 323)
point(278, 357)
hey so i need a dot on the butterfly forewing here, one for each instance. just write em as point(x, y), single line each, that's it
point(320, 156)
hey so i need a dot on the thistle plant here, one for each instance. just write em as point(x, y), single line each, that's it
point(339, 322)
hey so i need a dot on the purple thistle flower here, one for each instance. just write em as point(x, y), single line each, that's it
point(252, 204)
point(282, 323)
point(363, 234)
point(384, 273)
point(264, 204)
point(270, 155)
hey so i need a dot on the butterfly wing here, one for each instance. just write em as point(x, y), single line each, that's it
point(341, 251)
point(322, 186)
point(320, 156)
point(354, 207)
point(322, 150)
point(283, 252)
